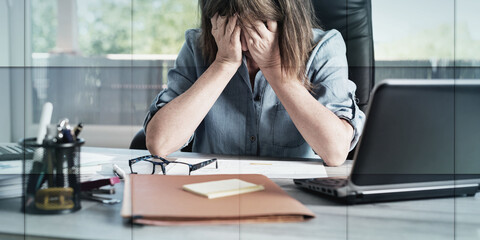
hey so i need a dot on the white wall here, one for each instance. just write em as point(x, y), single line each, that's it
point(17, 31)
point(13, 14)
point(4, 50)
point(5, 126)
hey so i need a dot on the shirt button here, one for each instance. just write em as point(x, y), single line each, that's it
point(253, 138)
point(257, 98)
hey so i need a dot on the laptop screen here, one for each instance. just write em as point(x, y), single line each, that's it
point(420, 130)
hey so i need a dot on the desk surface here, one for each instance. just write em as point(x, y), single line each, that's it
point(447, 218)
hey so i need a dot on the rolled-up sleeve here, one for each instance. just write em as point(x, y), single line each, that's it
point(180, 78)
point(328, 72)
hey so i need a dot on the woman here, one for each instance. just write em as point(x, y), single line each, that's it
point(257, 79)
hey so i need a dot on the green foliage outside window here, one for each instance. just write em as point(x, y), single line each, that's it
point(159, 28)
point(44, 25)
point(119, 26)
point(445, 42)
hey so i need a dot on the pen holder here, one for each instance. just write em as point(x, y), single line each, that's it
point(53, 177)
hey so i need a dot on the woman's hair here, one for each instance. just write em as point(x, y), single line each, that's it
point(295, 19)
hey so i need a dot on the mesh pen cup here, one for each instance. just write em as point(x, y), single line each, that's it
point(52, 179)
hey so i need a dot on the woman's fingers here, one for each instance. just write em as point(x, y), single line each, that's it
point(213, 20)
point(232, 23)
point(252, 36)
point(272, 26)
point(265, 30)
point(236, 35)
point(261, 29)
point(221, 22)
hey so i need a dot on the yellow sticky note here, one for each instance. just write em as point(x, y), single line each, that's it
point(222, 188)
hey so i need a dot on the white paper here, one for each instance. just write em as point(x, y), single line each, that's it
point(92, 164)
point(11, 167)
point(271, 169)
point(94, 159)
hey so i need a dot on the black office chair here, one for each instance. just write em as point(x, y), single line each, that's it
point(139, 141)
point(353, 18)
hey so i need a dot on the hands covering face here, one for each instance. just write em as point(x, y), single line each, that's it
point(227, 36)
point(261, 40)
point(262, 43)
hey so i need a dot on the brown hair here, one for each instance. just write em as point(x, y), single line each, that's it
point(295, 19)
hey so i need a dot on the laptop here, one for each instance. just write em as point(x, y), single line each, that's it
point(421, 140)
point(15, 151)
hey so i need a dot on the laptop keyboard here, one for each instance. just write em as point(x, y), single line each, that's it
point(331, 182)
point(10, 149)
point(15, 152)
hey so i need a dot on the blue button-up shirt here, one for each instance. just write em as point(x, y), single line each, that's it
point(254, 122)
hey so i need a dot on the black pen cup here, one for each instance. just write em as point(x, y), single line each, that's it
point(52, 179)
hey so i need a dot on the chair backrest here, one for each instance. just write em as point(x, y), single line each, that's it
point(139, 141)
point(352, 18)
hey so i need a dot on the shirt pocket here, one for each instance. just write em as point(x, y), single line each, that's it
point(285, 134)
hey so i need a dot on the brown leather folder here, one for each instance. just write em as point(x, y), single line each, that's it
point(160, 200)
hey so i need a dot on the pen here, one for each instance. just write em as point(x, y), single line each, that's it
point(105, 200)
point(49, 159)
point(35, 178)
point(59, 161)
point(71, 172)
point(67, 136)
point(87, 186)
point(77, 130)
point(101, 191)
point(117, 170)
point(64, 132)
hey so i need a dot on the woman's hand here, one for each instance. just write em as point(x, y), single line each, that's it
point(227, 36)
point(262, 42)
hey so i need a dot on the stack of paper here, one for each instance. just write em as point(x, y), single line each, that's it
point(11, 179)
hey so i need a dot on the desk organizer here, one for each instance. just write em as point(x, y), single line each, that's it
point(53, 177)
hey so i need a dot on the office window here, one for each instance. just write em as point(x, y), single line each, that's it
point(426, 39)
point(102, 61)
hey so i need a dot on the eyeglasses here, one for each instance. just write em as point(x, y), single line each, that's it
point(146, 164)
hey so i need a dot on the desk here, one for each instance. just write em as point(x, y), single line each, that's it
point(448, 218)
